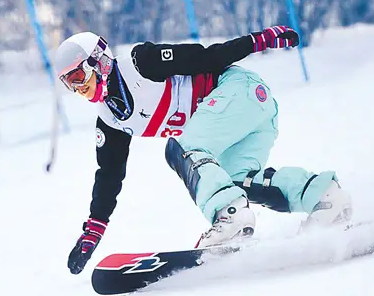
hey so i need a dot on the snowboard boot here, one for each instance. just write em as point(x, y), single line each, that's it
point(234, 220)
point(334, 207)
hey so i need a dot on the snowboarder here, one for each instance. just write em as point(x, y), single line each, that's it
point(220, 120)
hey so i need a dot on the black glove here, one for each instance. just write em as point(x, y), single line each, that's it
point(86, 245)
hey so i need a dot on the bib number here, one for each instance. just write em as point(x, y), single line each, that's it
point(177, 120)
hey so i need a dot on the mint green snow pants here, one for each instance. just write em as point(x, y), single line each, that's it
point(236, 124)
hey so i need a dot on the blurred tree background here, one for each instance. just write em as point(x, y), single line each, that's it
point(130, 21)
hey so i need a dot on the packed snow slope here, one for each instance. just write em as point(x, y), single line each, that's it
point(325, 124)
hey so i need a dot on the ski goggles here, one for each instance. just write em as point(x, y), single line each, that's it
point(78, 76)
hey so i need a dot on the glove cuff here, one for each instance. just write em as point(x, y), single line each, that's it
point(95, 227)
point(259, 41)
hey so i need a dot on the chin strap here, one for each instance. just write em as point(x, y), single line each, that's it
point(101, 89)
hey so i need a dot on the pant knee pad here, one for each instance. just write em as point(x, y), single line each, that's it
point(180, 161)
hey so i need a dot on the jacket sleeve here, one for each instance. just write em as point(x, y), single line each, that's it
point(111, 152)
point(159, 61)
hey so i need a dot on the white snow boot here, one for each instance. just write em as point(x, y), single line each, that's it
point(236, 219)
point(334, 207)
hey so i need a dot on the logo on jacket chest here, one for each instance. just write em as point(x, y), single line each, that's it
point(144, 115)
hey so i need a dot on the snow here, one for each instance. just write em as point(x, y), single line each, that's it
point(324, 124)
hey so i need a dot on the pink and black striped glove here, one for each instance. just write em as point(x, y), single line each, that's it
point(93, 231)
point(275, 37)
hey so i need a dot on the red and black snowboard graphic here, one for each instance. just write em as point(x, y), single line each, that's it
point(123, 273)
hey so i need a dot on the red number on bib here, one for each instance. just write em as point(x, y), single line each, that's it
point(167, 132)
point(178, 119)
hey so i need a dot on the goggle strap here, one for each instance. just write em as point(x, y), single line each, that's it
point(97, 52)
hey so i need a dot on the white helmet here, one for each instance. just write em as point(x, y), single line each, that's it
point(86, 51)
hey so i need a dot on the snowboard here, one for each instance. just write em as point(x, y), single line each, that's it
point(129, 272)
point(125, 273)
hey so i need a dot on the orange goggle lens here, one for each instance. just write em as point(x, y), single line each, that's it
point(76, 77)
